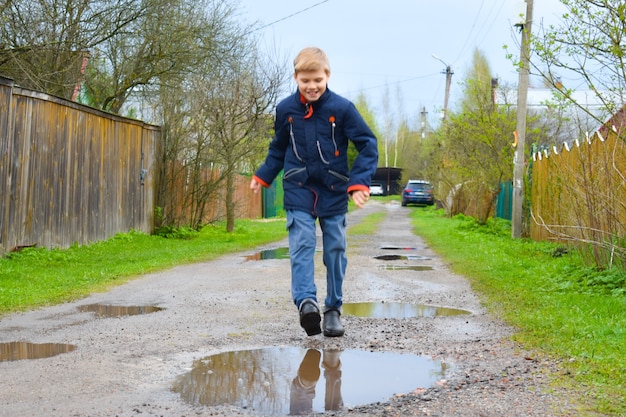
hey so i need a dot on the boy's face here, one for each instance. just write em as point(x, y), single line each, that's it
point(311, 84)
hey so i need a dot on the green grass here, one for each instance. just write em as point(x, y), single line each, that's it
point(38, 277)
point(561, 308)
point(368, 225)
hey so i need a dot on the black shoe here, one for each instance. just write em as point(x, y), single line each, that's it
point(310, 317)
point(332, 324)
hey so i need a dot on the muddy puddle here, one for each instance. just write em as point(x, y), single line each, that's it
point(105, 310)
point(296, 381)
point(401, 258)
point(277, 253)
point(15, 351)
point(393, 247)
point(398, 310)
point(406, 267)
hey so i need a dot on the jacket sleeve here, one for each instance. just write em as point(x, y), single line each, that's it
point(275, 159)
point(365, 164)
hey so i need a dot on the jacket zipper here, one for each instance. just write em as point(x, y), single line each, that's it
point(331, 119)
point(319, 150)
point(293, 139)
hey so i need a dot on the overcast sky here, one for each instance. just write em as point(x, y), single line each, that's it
point(382, 45)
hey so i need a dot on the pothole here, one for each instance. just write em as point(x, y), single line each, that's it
point(406, 267)
point(295, 381)
point(398, 310)
point(105, 310)
point(15, 351)
point(401, 257)
point(278, 253)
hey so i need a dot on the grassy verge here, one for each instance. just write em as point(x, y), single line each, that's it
point(560, 307)
point(38, 277)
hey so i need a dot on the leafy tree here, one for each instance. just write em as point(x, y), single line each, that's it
point(368, 115)
point(587, 45)
point(412, 152)
point(475, 152)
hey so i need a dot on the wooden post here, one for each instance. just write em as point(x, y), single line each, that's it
point(522, 96)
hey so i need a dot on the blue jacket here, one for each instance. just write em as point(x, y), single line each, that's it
point(311, 145)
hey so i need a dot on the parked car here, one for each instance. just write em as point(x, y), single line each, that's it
point(376, 188)
point(418, 192)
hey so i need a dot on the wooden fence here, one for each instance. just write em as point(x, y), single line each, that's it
point(182, 202)
point(69, 173)
point(579, 191)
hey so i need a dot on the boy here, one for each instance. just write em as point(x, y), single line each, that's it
point(312, 130)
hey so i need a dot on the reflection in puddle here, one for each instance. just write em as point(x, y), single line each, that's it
point(401, 257)
point(15, 351)
point(397, 248)
point(398, 310)
point(104, 310)
point(278, 253)
point(406, 267)
point(281, 381)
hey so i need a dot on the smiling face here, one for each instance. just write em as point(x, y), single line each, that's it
point(311, 84)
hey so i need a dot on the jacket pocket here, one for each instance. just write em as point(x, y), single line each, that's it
point(295, 177)
point(337, 181)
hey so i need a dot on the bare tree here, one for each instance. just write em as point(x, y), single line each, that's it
point(172, 40)
point(240, 92)
point(220, 129)
point(45, 44)
point(111, 48)
point(186, 181)
point(191, 63)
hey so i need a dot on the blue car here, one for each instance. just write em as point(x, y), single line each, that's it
point(418, 192)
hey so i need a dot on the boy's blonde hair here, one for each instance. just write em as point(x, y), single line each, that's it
point(311, 59)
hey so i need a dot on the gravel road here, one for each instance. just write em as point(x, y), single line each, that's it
point(129, 365)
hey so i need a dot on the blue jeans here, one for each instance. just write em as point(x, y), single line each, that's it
point(302, 241)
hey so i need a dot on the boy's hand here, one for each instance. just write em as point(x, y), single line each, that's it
point(360, 197)
point(255, 186)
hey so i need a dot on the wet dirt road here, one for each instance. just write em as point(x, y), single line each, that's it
point(128, 365)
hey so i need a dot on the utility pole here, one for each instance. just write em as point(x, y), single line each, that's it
point(424, 113)
point(448, 73)
point(522, 98)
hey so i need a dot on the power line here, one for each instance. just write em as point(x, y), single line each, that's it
point(395, 83)
point(479, 34)
point(288, 17)
point(469, 36)
point(490, 26)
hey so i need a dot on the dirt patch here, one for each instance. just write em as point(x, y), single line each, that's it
point(127, 365)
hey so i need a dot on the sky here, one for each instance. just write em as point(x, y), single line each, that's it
point(385, 47)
